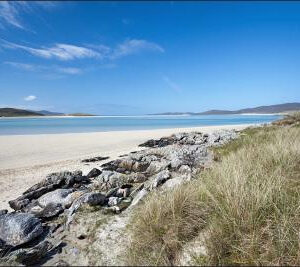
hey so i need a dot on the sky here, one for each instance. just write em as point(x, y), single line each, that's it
point(132, 58)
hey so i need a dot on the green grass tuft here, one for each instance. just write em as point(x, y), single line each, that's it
point(247, 204)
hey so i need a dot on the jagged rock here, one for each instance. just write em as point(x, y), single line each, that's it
point(157, 166)
point(94, 159)
point(160, 178)
point(94, 173)
point(50, 204)
point(32, 255)
point(165, 141)
point(19, 203)
point(126, 165)
point(19, 228)
point(57, 179)
point(50, 210)
point(92, 199)
point(51, 182)
point(111, 179)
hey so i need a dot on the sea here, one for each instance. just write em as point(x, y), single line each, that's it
point(55, 125)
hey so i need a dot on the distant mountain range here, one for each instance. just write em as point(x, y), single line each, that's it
point(259, 110)
point(14, 112)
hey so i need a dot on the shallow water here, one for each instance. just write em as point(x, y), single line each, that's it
point(48, 125)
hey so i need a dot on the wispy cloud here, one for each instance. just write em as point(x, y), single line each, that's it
point(30, 98)
point(11, 11)
point(9, 14)
point(23, 66)
point(58, 51)
point(135, 46)
point(46, 70)
point(171, 84)
point(70, 52)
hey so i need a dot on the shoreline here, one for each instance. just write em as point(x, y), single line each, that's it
point(138, 116)
point(26, 159)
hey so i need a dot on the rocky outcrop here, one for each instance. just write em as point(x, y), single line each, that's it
point(116, 188)
point(95, 159)
point(19, 228)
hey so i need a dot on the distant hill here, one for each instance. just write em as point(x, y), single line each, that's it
point(260, 110)
point(14, 112)
point(50, 113)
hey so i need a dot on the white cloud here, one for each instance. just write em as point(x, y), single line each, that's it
point(9, 13)
point(30, 98)
point(135, 46)
point(66, 52)
point(59, 51)
point(171, 84)
point(12, 11)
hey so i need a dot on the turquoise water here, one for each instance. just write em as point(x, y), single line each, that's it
point(13, 126)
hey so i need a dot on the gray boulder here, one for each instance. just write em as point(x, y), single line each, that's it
point(94, 173)
point(59, 196)
point(19, 228)
point(29, 256)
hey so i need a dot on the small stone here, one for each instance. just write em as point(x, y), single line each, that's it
point(113, 201)
point(94, 173)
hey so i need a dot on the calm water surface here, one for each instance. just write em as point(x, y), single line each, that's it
point(13, 126)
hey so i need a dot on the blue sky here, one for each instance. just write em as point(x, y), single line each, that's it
point(147, 57)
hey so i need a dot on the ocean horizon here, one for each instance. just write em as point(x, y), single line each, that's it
point(55, 125)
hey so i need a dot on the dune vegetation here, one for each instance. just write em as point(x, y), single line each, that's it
point(245, 209)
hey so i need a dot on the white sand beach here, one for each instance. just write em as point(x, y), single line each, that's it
point(26, 159)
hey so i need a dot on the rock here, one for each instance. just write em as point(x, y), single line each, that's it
point(138, 178)
point(51, 210)
point(136, 190)
point(160, 178)
point(124, 203)
point(138, 197)
point(56, 178)
point(18, 203)
point(3, 212)
point(59, 196)
point(165, 141)
point(50, 183)
point(32, 255)
point(92, 199)
point(95, 159)
point(157, 166)
point(112, 192)
point(123, 192)
point(140, 166)
point(113, 201)
point(121, 205)
point(94, 173)
point(19, 228)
